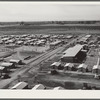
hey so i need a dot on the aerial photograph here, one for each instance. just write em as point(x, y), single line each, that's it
point(49, 46)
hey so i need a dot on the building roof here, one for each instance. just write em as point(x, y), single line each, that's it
point(67, 50)
point(6, 64)
point(56, 64)
point(88, 36)
point(19, 42)
point(5, 39)
point(1, 68)
point(84, 39)
point(38, 87)
point(96, 67)
point(20, 85)
point(58, 88)
point(46, 36)
point(69, 36)
point(82, 66)
point(69, 64)
point(72, 52)
point(14, 60)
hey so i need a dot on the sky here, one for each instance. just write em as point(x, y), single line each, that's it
point(48, 11)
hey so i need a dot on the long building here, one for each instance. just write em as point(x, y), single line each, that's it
point(55, 43)
point(73, 54)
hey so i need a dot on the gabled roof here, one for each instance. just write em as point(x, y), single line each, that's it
point(1, 68)
point(67, 50)
point(58, 88)
point(56, 64)
point(82, 66)
point(6, 64)
point(38, 87)
point(20, 85)
point(96, 67)
point(88, 36)
point(14, 60)
point(69, 64)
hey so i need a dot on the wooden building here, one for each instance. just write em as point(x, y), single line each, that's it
point(82, 68)
point(69, 66)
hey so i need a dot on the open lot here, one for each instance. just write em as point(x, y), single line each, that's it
point(33, 48)
point(50, 28)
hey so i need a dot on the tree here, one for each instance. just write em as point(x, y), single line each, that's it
point(22, 23)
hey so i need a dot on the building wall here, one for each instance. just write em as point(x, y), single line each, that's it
point(67, 59)
point(96, 71)
point(82, 70)
point(69, 68)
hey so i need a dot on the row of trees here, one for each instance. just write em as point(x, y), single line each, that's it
point(50, 22)
point(62, 22)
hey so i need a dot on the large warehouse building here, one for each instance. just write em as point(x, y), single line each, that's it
point(74, 54)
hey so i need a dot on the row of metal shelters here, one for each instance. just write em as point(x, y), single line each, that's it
point(70, 67)
point(24, 85)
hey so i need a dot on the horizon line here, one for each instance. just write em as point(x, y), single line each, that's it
point(51, 21)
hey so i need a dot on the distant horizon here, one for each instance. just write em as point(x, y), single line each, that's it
point(51, 21)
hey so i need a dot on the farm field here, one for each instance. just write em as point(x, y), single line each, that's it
point(50, 29)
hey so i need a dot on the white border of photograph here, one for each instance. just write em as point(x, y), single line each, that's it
point(52, 94)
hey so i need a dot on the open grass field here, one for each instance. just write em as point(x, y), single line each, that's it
point(28, 54)
point(11, 47)
point(6, 54)
point(50, 29)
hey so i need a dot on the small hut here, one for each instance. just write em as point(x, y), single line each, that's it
point(96, 69)
point(69, 66)
point(82, 68)
point(55, 65)
point(39, 87)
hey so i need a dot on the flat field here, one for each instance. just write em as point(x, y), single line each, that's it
point(50, 29)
